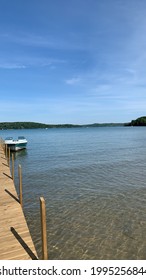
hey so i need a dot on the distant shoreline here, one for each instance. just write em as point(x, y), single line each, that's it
point(32, 125)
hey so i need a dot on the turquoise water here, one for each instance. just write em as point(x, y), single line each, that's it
point(94, 184)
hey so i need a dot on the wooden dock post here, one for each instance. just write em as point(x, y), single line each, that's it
point(13, 167)
point(20, 185)
point(9, 156)
point(43, 229)
point(6, 150)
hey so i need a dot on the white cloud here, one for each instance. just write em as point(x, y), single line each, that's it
point(73, 81)
point(36, 40)
point(12, 66)
point(27, 62)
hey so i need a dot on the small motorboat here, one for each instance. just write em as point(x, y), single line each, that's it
point(16, 145)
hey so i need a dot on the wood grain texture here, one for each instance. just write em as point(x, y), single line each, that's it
point(15, 239)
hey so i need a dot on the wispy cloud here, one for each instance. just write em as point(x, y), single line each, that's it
point(55, 42)
point(73, 81)
point(18, 62)
point(12, 66)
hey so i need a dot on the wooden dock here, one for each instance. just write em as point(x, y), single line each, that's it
point(15, 239)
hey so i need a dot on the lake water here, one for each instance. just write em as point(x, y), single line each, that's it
point(94, 184)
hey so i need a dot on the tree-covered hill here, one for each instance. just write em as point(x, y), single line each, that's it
point(31, 125)
point(20, 125)
point(138, 122)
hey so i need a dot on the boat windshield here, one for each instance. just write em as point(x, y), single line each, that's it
point(21, 138)
point(9, 138)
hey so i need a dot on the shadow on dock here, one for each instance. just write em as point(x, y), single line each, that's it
point(13, 196)
point(7, 175)
point(23, 244)
point(4, 158)
point(5, 164)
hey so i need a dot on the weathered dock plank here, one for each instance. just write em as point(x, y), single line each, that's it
point(15, 239)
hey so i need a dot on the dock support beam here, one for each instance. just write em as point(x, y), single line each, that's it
point(43, 229)
point(13, 167)
point(6, 150)
point(20, 185)
point(9, 156)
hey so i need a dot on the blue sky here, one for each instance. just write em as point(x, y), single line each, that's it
point(72, 61)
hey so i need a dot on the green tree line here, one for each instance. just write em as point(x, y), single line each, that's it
point(138, 122)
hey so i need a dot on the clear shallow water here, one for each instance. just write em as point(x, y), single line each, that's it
point(94, 184)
